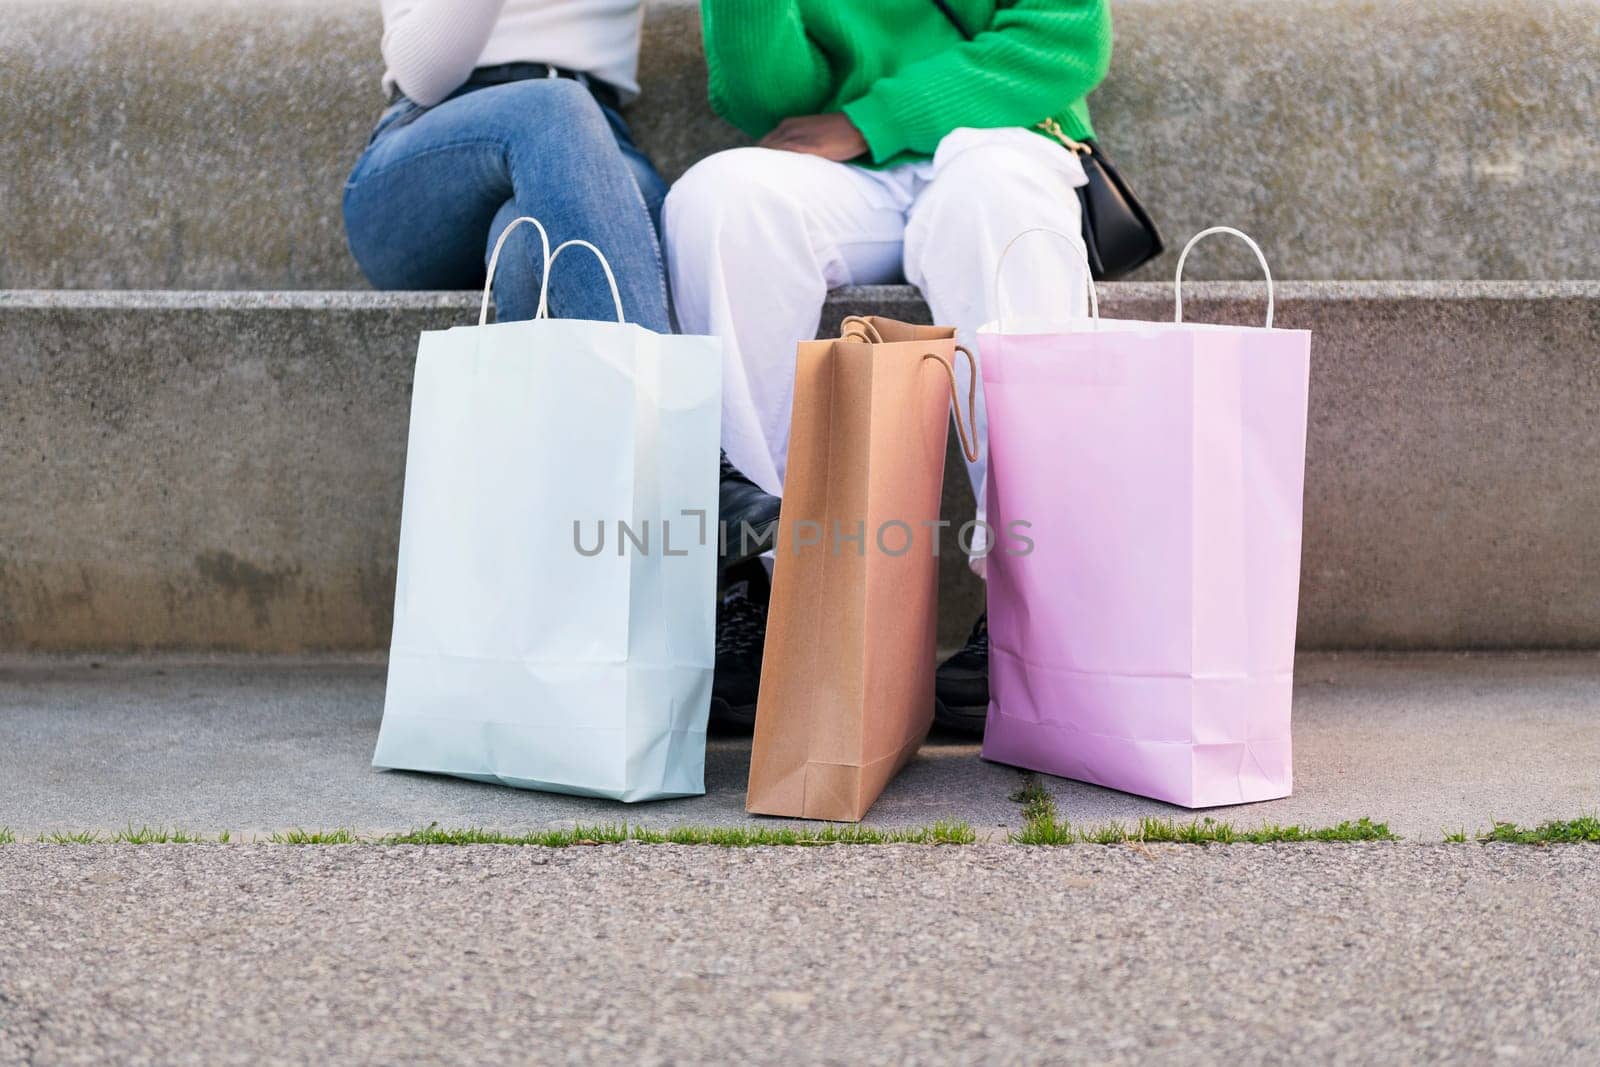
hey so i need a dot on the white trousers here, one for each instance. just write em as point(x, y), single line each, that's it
point(756, 237)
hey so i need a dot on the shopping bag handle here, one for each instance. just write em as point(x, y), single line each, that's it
point(1177, 278)
point(858, 328)
point(999, 298)
point(494, 259)
point(550, 265)
point(969, 441)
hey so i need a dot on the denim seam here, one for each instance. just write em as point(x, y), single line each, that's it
point(626, 134)
point(414, 157)
point(656, 250)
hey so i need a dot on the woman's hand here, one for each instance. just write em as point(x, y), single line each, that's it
point(831, 136)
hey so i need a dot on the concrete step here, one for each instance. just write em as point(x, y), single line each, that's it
point(222, 470)
point(160, 145)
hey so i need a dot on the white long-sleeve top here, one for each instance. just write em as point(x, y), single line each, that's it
point(431, 46)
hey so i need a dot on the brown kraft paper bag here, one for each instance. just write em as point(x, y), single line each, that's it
point(847, 676)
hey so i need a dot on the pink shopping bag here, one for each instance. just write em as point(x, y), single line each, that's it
point(1145, 642)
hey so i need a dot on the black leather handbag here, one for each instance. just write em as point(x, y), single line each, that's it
point(1117, 230)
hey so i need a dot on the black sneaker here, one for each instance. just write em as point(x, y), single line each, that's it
point(961, 685)
point(749, 517)
point(741, 632)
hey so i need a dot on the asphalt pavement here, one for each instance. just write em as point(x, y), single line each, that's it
point(1238, 954)
point(1241, 954)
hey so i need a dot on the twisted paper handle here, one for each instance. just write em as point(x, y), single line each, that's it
point(857, 328)
point(969, 446)
point(1177, 277)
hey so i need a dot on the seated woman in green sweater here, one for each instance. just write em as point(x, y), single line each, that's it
point(899, 140)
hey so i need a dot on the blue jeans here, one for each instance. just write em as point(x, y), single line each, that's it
point(436, 186)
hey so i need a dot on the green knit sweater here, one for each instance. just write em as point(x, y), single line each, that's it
point(901, 71)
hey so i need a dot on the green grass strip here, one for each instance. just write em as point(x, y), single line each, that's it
point(1041, 825)
point(1585, 828)
point(939, 833)
point(1206, 831)
point(801, 835)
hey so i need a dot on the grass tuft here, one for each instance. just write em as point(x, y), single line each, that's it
point(1585, 828)
point(69, 837)
point(1455, 837)
point(6, 836)
point(146, 836)
point(1035, 801)
point(1040, 826)
point(314, 837)
point(1045, 832)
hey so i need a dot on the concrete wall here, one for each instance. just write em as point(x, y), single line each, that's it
point(223, 470)
point(203, 143)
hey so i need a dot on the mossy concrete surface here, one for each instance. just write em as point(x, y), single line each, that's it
point(204, 144)
point(223, 470)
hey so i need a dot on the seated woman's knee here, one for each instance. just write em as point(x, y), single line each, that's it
point(739, 181)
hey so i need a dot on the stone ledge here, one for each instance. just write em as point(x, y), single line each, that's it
point(222, 470)
point(1114, 294)
point(204, 145)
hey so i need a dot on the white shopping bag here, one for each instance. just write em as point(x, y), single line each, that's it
point(520, 653)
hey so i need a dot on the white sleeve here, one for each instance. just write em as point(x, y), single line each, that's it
point(432, 46)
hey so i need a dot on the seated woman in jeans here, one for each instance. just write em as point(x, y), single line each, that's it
point(502, 108)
